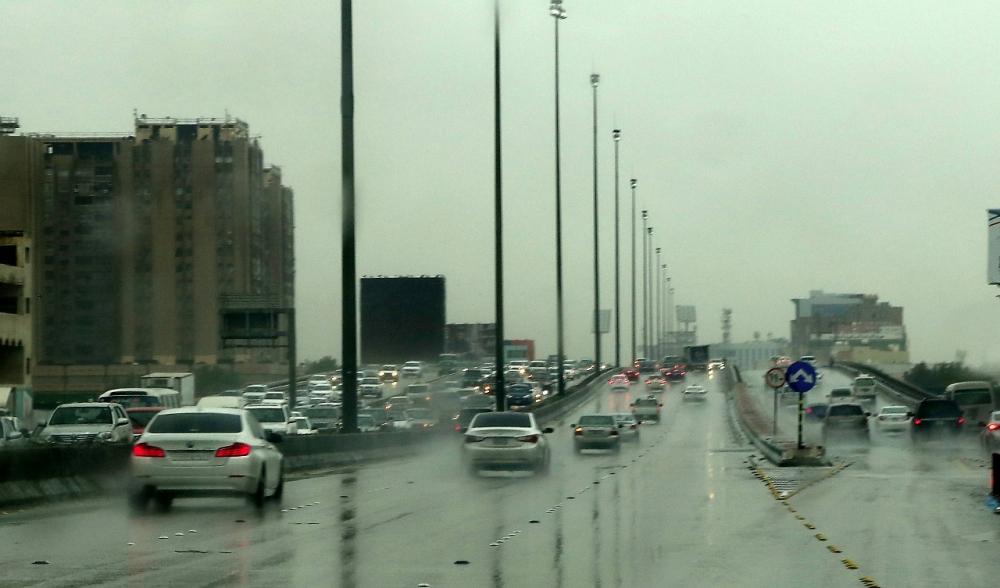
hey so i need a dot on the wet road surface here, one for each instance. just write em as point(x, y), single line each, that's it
point(680, 507)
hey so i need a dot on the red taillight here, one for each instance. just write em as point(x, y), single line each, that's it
point(458, 428)
point(473, 439)
point(146, 450)
point(993, 426)
point(917, 421)
point(961, 420)
point(234, 450)
point(528, 439)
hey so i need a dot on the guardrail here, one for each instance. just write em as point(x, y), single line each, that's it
point(898, 389)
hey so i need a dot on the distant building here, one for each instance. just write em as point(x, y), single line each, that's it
point(15, 309)
point(852, 327)
point(138, 239)
point(470, 340)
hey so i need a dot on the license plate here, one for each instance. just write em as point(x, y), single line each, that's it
point(190, 455)
point(500, 441)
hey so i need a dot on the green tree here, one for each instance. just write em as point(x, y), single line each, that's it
point(321, 365)
point(935, 378)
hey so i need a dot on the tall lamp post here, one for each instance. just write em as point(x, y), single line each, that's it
point(617, 136)
point(657, 314)
point(647, 294)
point(663, 313)
point(633, 182)
point(645, 264)
point(499, 390)
point(348, 276)
point(558, 13)
point(594, 80)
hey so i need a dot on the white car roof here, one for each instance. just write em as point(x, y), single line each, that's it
point(202, 409)
point(85, 404)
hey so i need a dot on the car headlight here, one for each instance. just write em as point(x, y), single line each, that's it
point(105, 436)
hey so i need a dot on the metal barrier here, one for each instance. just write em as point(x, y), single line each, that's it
point(903, 391)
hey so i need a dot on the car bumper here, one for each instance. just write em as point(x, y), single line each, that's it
point(892, 425)
point(584, 442)
point(237, 476)
point(484, 456)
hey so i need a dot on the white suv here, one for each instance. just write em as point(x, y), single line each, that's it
point(81, 423)
point(274, 418)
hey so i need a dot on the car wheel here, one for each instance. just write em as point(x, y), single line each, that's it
point(164, 500)
point(138, 498)
point(260, 494)
point(279, 490)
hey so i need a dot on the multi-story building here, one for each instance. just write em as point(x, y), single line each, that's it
point(854, 327)
point(139, 239)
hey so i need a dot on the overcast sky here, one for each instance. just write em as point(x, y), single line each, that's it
point(782, 146)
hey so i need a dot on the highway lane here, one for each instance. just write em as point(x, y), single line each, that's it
point(679, 507)
point(909, 516)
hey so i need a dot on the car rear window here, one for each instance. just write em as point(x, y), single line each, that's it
point(268, 415)
point(597, 419)
point(967, 397)
point(845, 410)
point(141, 418)
point(841, 392)
point(193, 422)
point(894, 410)
point(938, 409)
point(501, 419)
point(646, 402)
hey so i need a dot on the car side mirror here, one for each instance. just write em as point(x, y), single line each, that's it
point(122, 421)
point(548, 430)
point(272, 437)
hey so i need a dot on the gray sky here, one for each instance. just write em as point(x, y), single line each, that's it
point(780, 146)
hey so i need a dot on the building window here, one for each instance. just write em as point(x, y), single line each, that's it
point(27, 305)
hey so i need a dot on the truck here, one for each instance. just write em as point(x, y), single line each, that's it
point(183, 382)
point(696, 357)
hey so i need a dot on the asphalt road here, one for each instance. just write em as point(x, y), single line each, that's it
point(909, 516)
point(680, 507)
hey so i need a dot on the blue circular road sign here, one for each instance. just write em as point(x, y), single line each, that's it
point(801, 376)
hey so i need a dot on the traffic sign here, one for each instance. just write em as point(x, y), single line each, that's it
point(801, 376)
point(775, 378)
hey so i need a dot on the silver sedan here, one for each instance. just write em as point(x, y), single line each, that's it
point(198, 451)
point(505, 439)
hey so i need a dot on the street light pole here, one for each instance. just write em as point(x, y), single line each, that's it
point(657, 314)
point(671, 335)
point(633, 183)
point(348, 275)
point(647, 295)
point(594, 80)
point(499, 390)
point(617, 136)
point(645, 265)
point(663, 312)
point(558, 13)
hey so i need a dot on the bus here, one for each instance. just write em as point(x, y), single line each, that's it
point(976, 399)
point(136, 397)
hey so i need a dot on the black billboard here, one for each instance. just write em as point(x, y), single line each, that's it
point(402, 319)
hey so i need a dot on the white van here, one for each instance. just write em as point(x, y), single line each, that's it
point(222, 402)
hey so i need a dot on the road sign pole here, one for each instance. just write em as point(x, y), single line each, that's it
point(801, 396)
point(774, 419)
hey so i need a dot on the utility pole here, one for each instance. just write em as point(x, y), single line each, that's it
point(348, 277)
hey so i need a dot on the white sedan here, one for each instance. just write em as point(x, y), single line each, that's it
point(205, 451)
point(505, 440)
point(893, 418)
point(695, 392)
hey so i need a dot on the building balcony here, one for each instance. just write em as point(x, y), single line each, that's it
point(11, 274)
point(15, 329)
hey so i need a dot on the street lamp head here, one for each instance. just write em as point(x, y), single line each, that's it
point(658, 249)
point(556, 9)
point(649, 231)
point(633, 182)
point(594, 79)
point(616, 135)
point(644, 215)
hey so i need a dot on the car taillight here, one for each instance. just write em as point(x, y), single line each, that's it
point(473, 439)
point(961, 420)
point(917, 421)
point(147, 450)
point(528, 439)
point(458, 428)
point(234, 450)
point(993, 426)
point(578, 431)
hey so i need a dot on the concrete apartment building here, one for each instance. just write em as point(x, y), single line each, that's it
point(139, 239)
point(848, 327)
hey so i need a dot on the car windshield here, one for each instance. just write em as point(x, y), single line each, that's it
point(81, 415)
point(894, 410)
point(930, 409)
point(369, 382)
point(841, 392)
point(864, 382)
point(196, 423)
point(596, 420)
point(268, 415)
point(843, 410)
point(501, 419)
point(141, 418)
point(970, 397)
point(646, 402)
